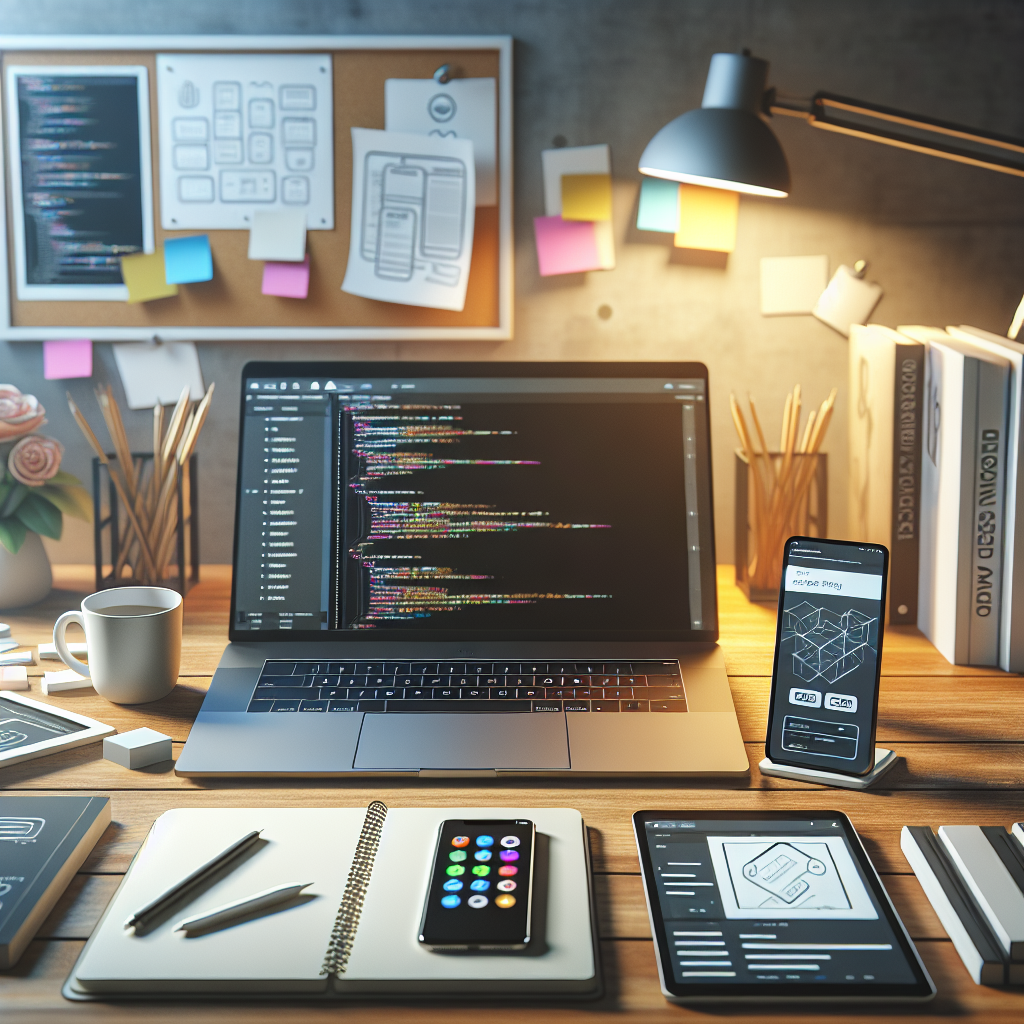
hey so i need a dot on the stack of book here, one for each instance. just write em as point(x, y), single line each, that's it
point(935, 458)
point(973, 877)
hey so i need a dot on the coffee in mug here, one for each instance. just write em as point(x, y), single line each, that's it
point(134, 640)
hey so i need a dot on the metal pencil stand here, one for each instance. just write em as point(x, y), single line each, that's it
point(110, 525)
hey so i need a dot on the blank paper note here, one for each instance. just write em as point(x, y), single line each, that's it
point(145, 277)
point(791, 285)
point(188, 260)
point(659, 206)
point(707, 218)
point(66, 358)
point(565, 246)
point(287, 280)
point(154, 374)
point(586, 197)
point(278, 235)
point(570, 160)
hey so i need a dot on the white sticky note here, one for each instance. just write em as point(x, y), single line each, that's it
point(16, 658)
point(278, 235)
point(157, 373)
point(570, 160)
point(464, 108)
point(792, 285)
point(847, 300)
point(412, 218)
point(69, 679)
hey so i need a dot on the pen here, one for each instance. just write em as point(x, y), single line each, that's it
point(151, 910)
point(239, 908)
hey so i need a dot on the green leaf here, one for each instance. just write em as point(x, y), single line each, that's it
point(69, 498)
point(60, 477)
point(15, 497)
point(12, 534)
point(40, 516)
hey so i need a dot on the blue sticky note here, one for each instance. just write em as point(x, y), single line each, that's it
point(187, 260)
point(659, 205)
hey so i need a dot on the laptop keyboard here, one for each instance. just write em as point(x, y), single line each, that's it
point(402, 686)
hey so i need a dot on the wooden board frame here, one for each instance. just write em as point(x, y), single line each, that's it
point(387, 322)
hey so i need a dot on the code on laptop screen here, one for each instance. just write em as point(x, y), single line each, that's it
point(501, 505)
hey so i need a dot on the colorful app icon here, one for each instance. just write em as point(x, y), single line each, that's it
point(508, 870)
point(510, 855)
point(478, 869)
point(507, 885)
point(455, 869)
point(476, 902)
point(509, 841)
point(479, 885)
point(482, 855)
point(457, 855)
point(449, 902)
point(452, 885)
point(460, 841)
point(485, 840)
point(504, 901)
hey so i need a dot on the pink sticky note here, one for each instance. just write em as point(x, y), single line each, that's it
point(69, 357)
point(289, 280)
point(565, 246)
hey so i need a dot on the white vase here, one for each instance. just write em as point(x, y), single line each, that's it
point(25, 578)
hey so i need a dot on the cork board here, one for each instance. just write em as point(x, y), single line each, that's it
point(231, 305)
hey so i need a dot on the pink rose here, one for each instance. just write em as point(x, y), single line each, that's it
point(35, 459)
point(19, 414)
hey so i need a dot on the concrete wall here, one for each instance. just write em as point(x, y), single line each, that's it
point(944, 240)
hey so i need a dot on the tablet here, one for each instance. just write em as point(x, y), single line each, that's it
point(29, 728)
point(771, 905)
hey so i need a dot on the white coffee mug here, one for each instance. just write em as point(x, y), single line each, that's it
point(134, 639)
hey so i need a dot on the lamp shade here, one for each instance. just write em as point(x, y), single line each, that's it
point(723, 144)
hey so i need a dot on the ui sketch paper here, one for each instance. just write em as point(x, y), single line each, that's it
point(464, 108)
point(788, 878)
point(413, 199)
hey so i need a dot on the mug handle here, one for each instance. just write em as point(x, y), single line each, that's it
point(59, 629)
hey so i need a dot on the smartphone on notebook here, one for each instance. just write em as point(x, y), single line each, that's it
point(481, 887)
point(828, 655)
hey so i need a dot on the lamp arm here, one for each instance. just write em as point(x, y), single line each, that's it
point(898, 128)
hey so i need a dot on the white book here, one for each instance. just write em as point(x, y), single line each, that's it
point(962, 490)
point(294, 950)
point(1011, 620)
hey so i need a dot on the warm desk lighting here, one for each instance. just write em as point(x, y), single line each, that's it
point(726, 144)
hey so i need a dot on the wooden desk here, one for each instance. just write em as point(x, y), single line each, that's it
point(957, 730)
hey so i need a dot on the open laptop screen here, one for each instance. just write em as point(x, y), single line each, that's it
point(495, 501)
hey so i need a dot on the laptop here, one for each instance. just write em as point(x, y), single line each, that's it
point(471, 569)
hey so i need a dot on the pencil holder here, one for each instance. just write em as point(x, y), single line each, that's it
point(771, 510)
point(172, 535)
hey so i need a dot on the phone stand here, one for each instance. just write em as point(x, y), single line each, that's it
point(884, 760)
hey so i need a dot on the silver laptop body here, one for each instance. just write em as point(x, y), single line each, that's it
point(471, 569)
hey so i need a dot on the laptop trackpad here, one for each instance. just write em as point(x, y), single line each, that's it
point(477, 740)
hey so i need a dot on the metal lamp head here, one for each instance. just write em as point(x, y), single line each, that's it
point(724, 144)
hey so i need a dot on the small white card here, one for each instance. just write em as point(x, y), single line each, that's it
point(847, 300)
point(157, 373)
point(49, 651)
point(463, 108)
point(792, 285)
point(278, 235)
point(69, 679)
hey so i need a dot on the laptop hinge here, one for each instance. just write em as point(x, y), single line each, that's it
point(458, 773)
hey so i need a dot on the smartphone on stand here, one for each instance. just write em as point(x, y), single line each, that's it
point(823, 709)
point(480, 897)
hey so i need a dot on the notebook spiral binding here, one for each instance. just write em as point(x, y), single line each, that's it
point(345, 924)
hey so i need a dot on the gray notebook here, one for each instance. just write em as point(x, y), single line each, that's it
point(323, 944)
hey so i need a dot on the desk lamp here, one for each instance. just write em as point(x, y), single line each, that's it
point(726, 144)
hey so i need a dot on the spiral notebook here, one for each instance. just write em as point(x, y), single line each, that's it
point(354, 931)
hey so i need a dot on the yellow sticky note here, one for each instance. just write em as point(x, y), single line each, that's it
point(707, 218)
point(145, 277)
point(586, 197)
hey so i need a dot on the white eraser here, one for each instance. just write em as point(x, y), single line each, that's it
point(49, 651)
point(69, 679)
point(14, 678)
point(138, 748)
point(16, 658)
point(5, 630)
point(8, 645)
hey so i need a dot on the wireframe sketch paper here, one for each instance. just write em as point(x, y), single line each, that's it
point(463, 108)
point(157, 373)
point(412, 218)
point(788, 877)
